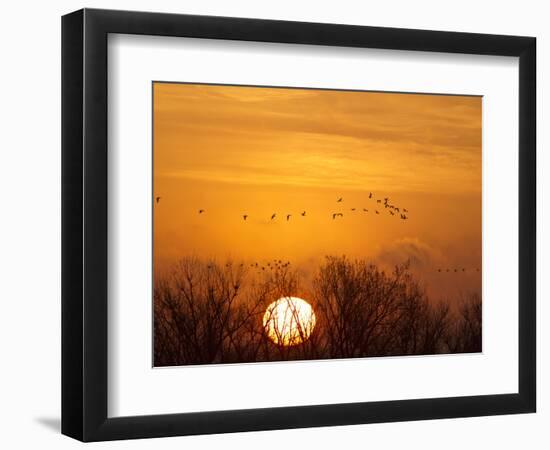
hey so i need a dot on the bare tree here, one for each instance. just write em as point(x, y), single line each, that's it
point(465, 335)
point(368, 312)
point(196, 309)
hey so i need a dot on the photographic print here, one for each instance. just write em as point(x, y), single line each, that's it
point(307, 224)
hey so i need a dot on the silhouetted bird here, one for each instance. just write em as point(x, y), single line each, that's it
point(339, 200)
point(245, 216)
point(397, 209)
point(391, 212)
point(353, 209)
point(273, 216)
point(158, 199)
point(370, 194)
point(366, 210)
point(376, 212)
point(378, 201)
point(386, 199)
point(288, 216)
point(304, 213)
point(201, 211)
point(405, 211)
point(335, 215)
point(439, 270)
point(463, 269)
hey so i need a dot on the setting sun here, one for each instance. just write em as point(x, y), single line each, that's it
point(289, 321)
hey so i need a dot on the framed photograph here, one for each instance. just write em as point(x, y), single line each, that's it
point(272, 224)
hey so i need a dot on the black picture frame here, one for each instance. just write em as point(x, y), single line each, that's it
point(84, 224)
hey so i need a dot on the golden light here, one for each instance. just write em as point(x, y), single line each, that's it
point(289, 321)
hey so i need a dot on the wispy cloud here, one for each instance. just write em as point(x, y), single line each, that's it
point(419, 254)
point(313, 138)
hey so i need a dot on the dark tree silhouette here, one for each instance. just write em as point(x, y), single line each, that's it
point(209, 312)
point(465, 333)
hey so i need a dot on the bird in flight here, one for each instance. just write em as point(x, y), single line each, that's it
point(245, 216)
point(201, 211)
point(391, 212)
point(405, 211)
point(378, 201)
point(304, 213)
point(376, 211)
point(339, 200)
point(335, 215)
point(288, 216)
point(353, 209)
point(366, 210)
point(158, 199)
point(273, 216)
point(370, 194)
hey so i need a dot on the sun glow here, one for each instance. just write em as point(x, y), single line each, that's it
point(289, 321)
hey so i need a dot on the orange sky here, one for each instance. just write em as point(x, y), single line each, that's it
point(258, 151)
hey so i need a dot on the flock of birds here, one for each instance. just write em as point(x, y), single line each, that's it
point(457, 270)
point(391, 209)
point(278, 264)
point(273, 265)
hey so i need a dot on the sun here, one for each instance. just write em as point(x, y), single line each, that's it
point(289, 321)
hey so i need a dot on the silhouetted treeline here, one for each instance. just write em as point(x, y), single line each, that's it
point(206, 312)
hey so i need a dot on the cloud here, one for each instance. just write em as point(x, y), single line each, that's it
point(418, 253)
point(248, 135)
